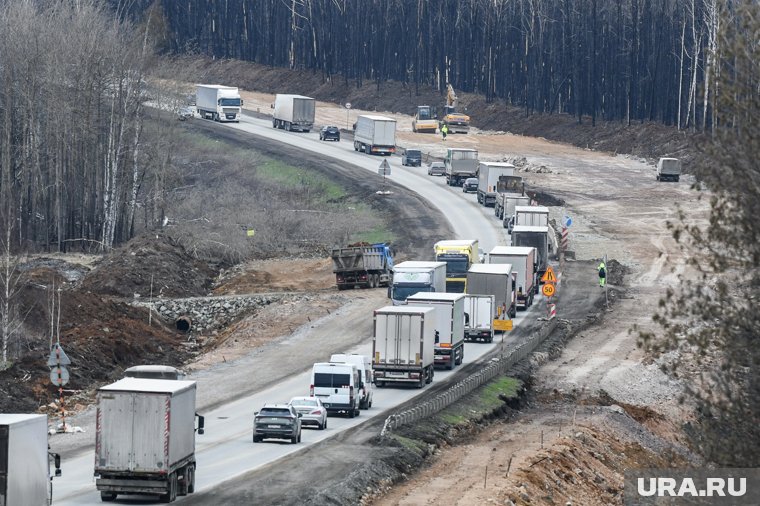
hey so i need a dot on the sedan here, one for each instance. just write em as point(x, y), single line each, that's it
point(329, 133)
point(311, 410)
point(278, 421)
point(437, 169)
point(470, 185)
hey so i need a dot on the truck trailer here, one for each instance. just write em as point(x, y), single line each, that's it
point(403, 346)
point(523, 260)
point(459, 255)
point(478, 317)
point(504, 209)
point(496, 280)
point(375, 135)
point(534, 237)
point(217, 102)
point(293, 112)
point(460, 165)
point(488, 179)
point(25, 460)
point(449, 325)
point(413, 277)
point(532, 216)
point(364, 265)
point(145, 438)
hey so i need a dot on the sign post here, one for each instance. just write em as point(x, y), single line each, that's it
point(384, 170)
point(348, 108)
point(59, 375)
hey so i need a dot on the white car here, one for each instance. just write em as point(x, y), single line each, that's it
point(311, 410)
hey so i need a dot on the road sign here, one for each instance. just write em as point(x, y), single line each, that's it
point(383, 172)
point(385, 165)
point(348, 105)
point(503, 325)
point(567, 221)
point(59, 375)
point(57, 357)
point(549, 276)
point(548, 289)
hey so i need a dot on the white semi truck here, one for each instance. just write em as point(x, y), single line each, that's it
point(293, 112)
point(375, 135)
point(449, 325)
point(496, 280)
point(145, 438)
point(413, 276)
point(217, 102)
point(479, 311)
point(25, 460)
point(523, 261)
point(403, 346)
point(488, 179)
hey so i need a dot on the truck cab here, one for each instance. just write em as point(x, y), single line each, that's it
point(459, 255)
point(669, 169)
point(460, 164)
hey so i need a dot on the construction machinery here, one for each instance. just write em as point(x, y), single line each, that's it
point(457, 123)
point(424, 120)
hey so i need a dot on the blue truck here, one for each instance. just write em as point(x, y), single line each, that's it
point(363, 264)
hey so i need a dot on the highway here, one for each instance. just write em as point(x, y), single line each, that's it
point(226, 450)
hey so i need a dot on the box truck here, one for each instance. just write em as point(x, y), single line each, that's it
point(145, 438)
point(375, 135)
point(460, 164)
point(459, 255)
point(506, 203)
point(668, 169)
point(534, 237)
point(449, 325)
point(25, 460)
point(523, 260)
point(479, 311)
point(496, 280)
point(412, 277)
point(488, 179)
point(403, 346)
point(532, 216)
point(293, 112)
point(364, 265)
point(217, 102)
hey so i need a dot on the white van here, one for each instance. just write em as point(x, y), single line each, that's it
point(669, 168)
point(364, 364)
point(337, 386)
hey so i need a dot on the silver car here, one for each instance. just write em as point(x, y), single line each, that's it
point(437, 169)
point(311, 410)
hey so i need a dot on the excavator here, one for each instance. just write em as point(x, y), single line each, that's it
point(424, 120)
point(458, 123)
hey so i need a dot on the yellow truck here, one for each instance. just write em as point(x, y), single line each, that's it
point(424, 120)
point(459, 255)
point(457, 122)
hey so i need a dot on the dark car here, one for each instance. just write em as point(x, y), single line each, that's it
point(412, 158)
point(437, 169)
point(470, 185)
point(329, 133)
point(277, 421)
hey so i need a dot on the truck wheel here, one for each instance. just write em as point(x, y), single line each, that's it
point(460, 359)
point(171, 495)
point(256, 439)
point(451, 363)
point(356, 146)
point(423, 381)
point(490, 339)
point(357, 412)
point(294, 440)
point(351, 413)
point(107, 496)
point(274, 123)
point(191, 480)
point(431, 373)
point(380, 384)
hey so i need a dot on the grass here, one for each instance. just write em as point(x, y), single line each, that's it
point(376, 235)
point(287, 175)
point(484, 400)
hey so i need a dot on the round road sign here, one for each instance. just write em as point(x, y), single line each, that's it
point(348, 105)
point(549, 289)
point(59, 375)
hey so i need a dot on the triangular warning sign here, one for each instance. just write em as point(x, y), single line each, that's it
point(549, 276)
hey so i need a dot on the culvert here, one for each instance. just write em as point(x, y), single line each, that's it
point(183, 323)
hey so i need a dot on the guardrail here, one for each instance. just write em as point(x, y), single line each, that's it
point(496, 367)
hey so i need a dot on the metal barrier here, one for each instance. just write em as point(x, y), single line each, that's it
point(496, 367)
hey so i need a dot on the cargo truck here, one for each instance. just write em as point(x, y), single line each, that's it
point(523, 260)
point(478, 317)
point(504, 209)
point(375, 135)
point(364, 265)
point(293, 112)
point(488, 179)
point(459, 255)
point(668, 169)
point(25, 460)
point(220, 103)
point(532, 216)
point(460, 164)
point(449, 325)
point(496, 280)
point(403, 346)
point(534, 237)
point(145, 438)
point(412, 277)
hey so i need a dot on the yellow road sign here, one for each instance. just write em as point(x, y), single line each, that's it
point(549, 289)
point(502, 324)
point(549, 276)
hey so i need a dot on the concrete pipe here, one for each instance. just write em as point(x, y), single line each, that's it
point(183, 323)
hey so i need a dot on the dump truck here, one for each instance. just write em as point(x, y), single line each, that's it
point(496, 280)
point(523, 261)
point(293, 112)
point(217, 102)
point(414, 276)
point(403, 346)
point(460, 164)
point(459, 255)
point(145, 438)
point(25, 460)
point(375, 135)
point(479, 311)
point(534, 237)
point(532, 216)
point(424, 120)
point(364, 265)
point(456, 122)
point(449, 325)
point(488, 179)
